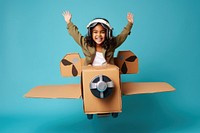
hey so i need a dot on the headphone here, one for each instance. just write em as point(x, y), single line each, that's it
point(104, 23)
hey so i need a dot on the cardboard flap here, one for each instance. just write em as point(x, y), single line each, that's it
point(127, 62)
point(129, 88)
point(55, 91)
point(70, 65)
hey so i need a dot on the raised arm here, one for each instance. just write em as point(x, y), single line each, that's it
point(126, 31)
point(72, 29)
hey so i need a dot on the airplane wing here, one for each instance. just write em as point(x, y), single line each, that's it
point(129, 88)
point(55, 91)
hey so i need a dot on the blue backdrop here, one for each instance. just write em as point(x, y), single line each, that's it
point(33, 40)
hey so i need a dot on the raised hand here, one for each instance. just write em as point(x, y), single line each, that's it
point(130, 18)
point(67, 16)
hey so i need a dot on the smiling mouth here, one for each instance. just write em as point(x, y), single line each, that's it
point(98, 40)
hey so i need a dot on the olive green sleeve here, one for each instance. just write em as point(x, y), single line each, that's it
point(119, 39)
point(73, 31)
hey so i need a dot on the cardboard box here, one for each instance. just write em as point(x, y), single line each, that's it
point(127, 62)
point(70, 65)
point(93, 104)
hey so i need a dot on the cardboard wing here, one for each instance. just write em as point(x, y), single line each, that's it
point(127, 62)
point(129, 88)
point(55, 91)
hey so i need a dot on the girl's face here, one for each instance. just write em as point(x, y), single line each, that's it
point(98, 34)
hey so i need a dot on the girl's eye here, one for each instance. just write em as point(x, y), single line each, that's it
point(103, 31)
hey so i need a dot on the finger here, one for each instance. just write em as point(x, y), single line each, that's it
point(63, 13)
point(130, 14)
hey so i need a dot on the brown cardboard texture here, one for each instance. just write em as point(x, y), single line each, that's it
point(130, 88)
point(127, 62)
point(101, 88)
point(70, 65)
point(55, 91)
point(93, 104)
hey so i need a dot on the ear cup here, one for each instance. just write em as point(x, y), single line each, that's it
point(89, 34)
point(110, 34)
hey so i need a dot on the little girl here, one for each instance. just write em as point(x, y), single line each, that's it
point(99, 44)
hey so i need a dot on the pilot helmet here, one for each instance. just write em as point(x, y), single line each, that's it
point(104, 23)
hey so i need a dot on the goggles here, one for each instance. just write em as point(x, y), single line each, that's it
point(96, 21)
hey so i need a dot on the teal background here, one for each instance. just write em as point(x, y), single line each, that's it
point(165, 37)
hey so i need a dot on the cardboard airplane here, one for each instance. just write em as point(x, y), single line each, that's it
point(101, 88)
